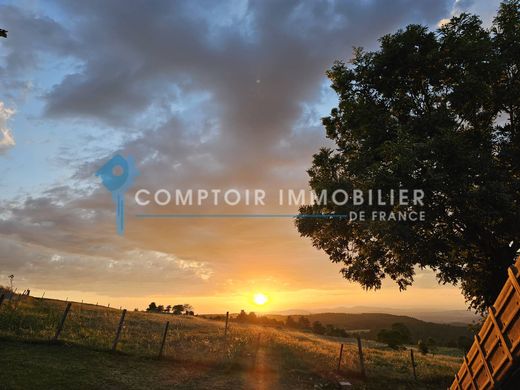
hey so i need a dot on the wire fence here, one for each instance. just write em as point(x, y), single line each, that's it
point(208, 342)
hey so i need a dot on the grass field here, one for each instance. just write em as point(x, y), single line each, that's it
point(196, 355)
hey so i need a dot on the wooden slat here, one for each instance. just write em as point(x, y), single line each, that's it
point(513, 280)
point(505, 343)
point(484, 360)
point(457, 382)
point(495, 332)
point(470, 373)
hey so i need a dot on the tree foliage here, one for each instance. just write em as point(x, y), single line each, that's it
point(318, 328)
point(423, 347)
point(175, 309)
point(390, 337)
point(398, 335)
point(437, 111)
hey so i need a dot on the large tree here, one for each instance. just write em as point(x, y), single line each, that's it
point(437, 111)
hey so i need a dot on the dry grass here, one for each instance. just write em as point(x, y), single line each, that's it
point(301, 360)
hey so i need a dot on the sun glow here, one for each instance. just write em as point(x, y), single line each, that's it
point(260, 299)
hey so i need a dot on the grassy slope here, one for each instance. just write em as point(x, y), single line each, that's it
point(195, 357)
point(44, 366)
point(374, 322)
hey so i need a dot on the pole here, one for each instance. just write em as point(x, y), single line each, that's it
point(226, 328)
point(413, 364)
point(164, 338)
point(118, 333)
point(361, 358)
point(340, 357)
point(62, 322)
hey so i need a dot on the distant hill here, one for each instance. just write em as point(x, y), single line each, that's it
point(456, 317)
point(372, 323)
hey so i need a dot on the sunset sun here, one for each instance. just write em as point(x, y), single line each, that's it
point(260, 299)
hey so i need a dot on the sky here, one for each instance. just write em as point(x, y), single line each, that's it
point(202, 94)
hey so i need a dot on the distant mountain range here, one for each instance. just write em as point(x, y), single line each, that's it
point(455, 317)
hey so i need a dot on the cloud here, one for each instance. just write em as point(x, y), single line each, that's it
point(179, 80)
point(31, 34)
point(486, 10)
point(154, 272)
point(442, 22)
point(6, 136)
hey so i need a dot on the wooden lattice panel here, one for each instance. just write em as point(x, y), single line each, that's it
point(496, 347)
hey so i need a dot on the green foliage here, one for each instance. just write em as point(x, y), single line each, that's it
point(432, 345)
point(177, 309)
point(304, 323)
point(423, 347)
point(398, 335)
point(402, 329)
point(372, 323)
point(242, 317)
point(331, 330)
point(437, 111)
point(464, 343)
point(318, 328)
point(291, 323)
point(390, 337)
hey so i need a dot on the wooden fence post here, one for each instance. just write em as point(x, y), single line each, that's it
point(118, 333)
point(226, 328)
point(62, 322)
point(1, 299)
point(413, 364)
point(164, 338)
point(361, 358)
point(340, 356)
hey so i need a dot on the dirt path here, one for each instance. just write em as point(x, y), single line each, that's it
point(263, 374)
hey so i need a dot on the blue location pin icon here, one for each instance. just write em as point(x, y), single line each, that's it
point(118, 175)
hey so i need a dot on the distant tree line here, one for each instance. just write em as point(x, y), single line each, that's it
point(395, 337)
point(399, 335)
point(292, 322)
point(185, 309)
